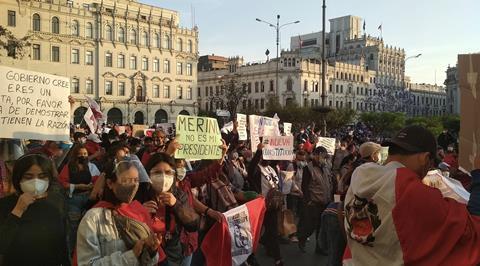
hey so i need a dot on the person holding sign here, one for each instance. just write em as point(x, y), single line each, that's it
point(32, 224)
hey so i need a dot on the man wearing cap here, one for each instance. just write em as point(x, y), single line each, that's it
point(370, 152)
point(317, 189)
point(391, 218)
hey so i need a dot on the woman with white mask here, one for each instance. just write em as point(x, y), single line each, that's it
point(32, 220)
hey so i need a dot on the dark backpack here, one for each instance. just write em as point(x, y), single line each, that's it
point(220, 196)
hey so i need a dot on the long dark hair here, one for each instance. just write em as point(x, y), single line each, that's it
point(24, 163)
point(158, 158)
point(73, 160)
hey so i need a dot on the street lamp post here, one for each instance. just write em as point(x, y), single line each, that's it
point(405, 65)
point(277, 28)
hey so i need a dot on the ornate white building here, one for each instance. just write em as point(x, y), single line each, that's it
point(428, 100)
point(133, 58)
point(453, 91)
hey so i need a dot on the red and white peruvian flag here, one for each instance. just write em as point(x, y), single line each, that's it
point(91, 121)
point(231, 242)
point(95, 109)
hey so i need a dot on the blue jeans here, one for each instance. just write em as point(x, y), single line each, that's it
point(76, 208)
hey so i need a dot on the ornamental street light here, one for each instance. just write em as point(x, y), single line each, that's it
point(277, 28)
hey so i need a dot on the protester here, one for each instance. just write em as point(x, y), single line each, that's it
point(317, 187)
point(77, 177)
point(393, 219)
point(445, 139)
point(32, 221)
point(118, 231)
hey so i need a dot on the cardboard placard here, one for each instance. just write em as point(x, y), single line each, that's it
point(167, 128)
point(138, 130)
point(469, 85)
point(34, 105)
point(287, 129)
point(199, 138)
point(327, 143)
point(254, 123)
point(278, 148)
point(242, 126)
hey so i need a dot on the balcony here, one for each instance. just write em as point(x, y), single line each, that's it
point(140, 98)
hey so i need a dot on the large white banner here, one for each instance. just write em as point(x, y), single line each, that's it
point(242, 126)
point(34, 105)
point(278, 148)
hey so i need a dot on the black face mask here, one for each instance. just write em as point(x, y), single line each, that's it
point(82, 159)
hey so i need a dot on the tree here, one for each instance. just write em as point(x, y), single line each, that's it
point(451, 123)
point(230, 96)
point(383, 124)
point(14, 47)
point(339, 118)
point(434, 124)
point(390, 99)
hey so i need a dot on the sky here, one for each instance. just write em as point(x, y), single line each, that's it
point(438, 29)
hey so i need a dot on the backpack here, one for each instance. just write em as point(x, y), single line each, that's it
point(220, 197)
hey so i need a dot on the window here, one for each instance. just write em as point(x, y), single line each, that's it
point(180, 45)
point(75, 28)
point(89, 86)
point(121, 35)
point(262, 103)
point(179, 93)
point(121, 61)
point(289, 85)
point(249, 87)
point(156, 65)
point(75, 56)
point(133, 37)
point(55, 25)
point(190, 46)
point(145, 64)
point(89, 30)
point(133, 62)
point(121, 88)
point(55, 54)
point(145, 38)
point(262, 86)
point(336, 88)
point(108, 59)
point(89, 58)
point(166, 43)
point(189, 69)
point(199, 93)
point(271, 85)
point(156, 91)
point(108, 87)
point(157, 40)
point(75, 86)
point(36, 52)
point(189, 93)
point(166, 91)
point(341, 88)
point(108, 33)
point(330, 88)
point(256, 103)
point(166, 66)
point(179, 69)
point(12, 21)
point(36, 22)
point(305, 85)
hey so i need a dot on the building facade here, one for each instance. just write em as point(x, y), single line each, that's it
point(133, 58)
point(428, 100)
point(452, 90)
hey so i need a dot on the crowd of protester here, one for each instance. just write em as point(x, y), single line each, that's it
point(113, 199)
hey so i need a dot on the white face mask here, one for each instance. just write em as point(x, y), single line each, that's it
point(162, 182)
point(34, 186)
point(181, 173)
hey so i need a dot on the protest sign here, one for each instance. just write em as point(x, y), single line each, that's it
point(278, 148)
point(167, 128)
point(199, 138)
point(149, 132)
point(287, 129)
point(138, 130)
point(242, 126)
point(469, 85)
point(449, 187)
point(268, 127)
point(327, 143)
point(223, 113)
point(228, 127)
point(254, 121)
point(34, 105)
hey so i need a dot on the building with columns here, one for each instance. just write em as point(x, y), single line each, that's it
point(133, 59)
point(428, 100)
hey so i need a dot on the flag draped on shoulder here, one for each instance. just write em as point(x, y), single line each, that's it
point(231, 242)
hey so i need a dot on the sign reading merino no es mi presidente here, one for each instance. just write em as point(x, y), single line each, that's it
point(33, 105)
point(199, 138)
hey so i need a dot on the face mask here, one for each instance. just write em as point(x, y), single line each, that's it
point(301, 164)
point(126, 193)
point(234, 156)
point(82, 159)
point(127, 157)
point(34, 186)
point(181, 173)
point(301, 132)
point(162, 182)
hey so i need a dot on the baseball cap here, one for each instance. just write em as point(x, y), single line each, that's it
point(415, 139)
point(369, 148)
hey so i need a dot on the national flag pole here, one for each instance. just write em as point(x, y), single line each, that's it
point(380, 28)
